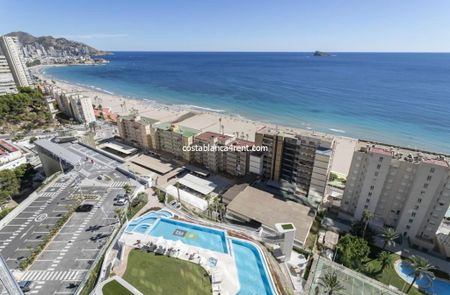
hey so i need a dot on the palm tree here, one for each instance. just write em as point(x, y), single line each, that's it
point(367, 216)
point(421, 267)
point(389, 235)
point(385, 259)
point(330, 283)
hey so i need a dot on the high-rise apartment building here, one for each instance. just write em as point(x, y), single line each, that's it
point(222, 153)
point(136, 130)
point(404, 189)
point(301, 160)
point(11, 50)
point(7, 84)
point(82, 108)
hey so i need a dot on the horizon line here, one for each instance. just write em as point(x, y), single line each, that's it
point(264, 51)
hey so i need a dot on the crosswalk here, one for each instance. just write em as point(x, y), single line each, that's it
point(43, 275)
point(118, 184)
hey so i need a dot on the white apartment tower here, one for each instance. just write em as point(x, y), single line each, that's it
point(11, 50)
point(82, 109)
point(406, 190)
point(7, 84)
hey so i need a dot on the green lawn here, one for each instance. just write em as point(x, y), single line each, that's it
point(389, 276)
point(155, 274)
point(115, 288)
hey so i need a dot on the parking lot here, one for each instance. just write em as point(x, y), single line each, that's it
point(67, 259)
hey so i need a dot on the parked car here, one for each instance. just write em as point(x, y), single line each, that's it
point(120, 200)
point(84, 208)
point(175, 204)
point(25, 286)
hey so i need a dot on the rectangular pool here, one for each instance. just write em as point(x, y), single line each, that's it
point(191, 234)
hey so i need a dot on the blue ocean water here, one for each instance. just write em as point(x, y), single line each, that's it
point(397, 98)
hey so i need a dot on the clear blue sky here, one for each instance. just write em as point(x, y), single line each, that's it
point(237, 25)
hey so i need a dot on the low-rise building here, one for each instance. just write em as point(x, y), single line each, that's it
point(254, 205)
point(174, 139)
point(136, 130)
point(10, 156)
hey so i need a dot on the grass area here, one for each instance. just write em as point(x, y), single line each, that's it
point(115, 288)
point(137, 205)
point(388, 276)
point(155, 274)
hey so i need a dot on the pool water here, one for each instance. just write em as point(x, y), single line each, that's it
point(436, 286)
point(143, 223)
point(191, 234)
point(252, 273)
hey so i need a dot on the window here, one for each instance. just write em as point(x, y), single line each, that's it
point(410, 221)
point(378, 166)
point(432, 170)
point(372, 187)
point(413, 214)
point(365, 207)
point(429, 178)
point(367, 200)
point(380, 159)
point(425, 185)
point(419, 200)
point(408, 227)
point(376, 173)
point(370, 194)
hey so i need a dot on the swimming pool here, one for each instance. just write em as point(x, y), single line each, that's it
point(436, 286)
point(252, 272)
point(144, 222)
point(191, 234)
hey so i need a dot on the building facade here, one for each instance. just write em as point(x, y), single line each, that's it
point(82, 109)
point(7, 84)
point(11, 50)
point(404, 189)
point(171, 138)
point(302, 160)
point(136, 130)
point(222, 153)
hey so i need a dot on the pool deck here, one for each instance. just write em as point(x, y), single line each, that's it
point(225, 268)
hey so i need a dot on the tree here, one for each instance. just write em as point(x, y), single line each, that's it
point(389, 235)
point(330, 283)
point(385, 259)
point(421, 267)
point(127, 188)
point(10, 184)
point(367, 216)
point(352, 251)
point(120, 214)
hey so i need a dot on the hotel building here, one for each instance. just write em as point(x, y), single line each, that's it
point(136, 130)
point(11, 50)
point(82, 109)
point(299, 160)
point(171, 138)
point(405, 189)
point(233, 161)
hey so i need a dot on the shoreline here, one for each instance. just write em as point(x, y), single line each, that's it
point(205, 119)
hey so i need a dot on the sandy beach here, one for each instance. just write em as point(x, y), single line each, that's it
point(202, 120)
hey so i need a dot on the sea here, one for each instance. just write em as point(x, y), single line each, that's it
point(395, 98)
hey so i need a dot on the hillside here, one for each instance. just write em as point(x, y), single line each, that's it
point(56, 46)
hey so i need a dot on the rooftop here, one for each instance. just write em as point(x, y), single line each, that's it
point(59, 151)
point(6, 147)
point(185, 131)
point(153, 164)
point(206, 136)
point(296, 133)
point(197, 184)
point(268, 210)
point(142, 119)
point(402, 153)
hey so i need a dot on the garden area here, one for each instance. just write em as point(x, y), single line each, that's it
point(157, 274)
point(115, 288)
